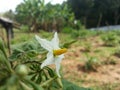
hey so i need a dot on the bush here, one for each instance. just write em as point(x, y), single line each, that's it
point(83, 34)
point(24, 28)
point(67, 30)
point(75, 34)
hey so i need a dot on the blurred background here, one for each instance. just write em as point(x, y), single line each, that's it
point(90, 29)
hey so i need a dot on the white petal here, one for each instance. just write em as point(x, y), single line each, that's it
point(57, 63)
point(49, 60)
point(55, 41)
point(58, 69)
point(61, 56)
point(44, 43)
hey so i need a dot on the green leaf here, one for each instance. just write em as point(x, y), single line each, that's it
point(2, 48)
point(39, 78)
point(66, 45)
point(5, 61)
point(2, 56)
point(48, 81)
point(50, 71)
point(33, 77)
point(34, 85)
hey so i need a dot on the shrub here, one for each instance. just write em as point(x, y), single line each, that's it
point(75, 34)
point(83, 34)
point(67, 30)
point(24, 28)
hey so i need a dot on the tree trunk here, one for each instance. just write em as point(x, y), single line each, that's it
point(99, 20)
point(34, 27)
point(8, 31)
point(54, 25)
point(116, 17)
point(84, 21)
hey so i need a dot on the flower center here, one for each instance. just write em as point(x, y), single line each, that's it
point(59, 51)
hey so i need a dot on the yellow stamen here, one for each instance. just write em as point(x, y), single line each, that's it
point(59, 51)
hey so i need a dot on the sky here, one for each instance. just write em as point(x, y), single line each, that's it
point(6, 5)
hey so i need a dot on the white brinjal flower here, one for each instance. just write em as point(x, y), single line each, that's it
point(55, 53)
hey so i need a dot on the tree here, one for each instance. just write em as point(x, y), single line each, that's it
point(115, 9)
point(43, 16)
point(108, 11)
point(31, 10)
point(81, 8)
point(96, 12)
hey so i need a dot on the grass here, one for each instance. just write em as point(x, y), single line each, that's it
point(90, 43)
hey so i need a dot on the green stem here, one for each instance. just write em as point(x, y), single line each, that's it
point(48, 82)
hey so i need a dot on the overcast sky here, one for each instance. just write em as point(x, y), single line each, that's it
point(6, 5)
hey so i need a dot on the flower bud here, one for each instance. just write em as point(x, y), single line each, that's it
point(58, 80)
point(21, 70)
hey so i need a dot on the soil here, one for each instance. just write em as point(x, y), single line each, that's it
point(74, 63)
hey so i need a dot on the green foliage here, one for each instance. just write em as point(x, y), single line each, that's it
point(22, 38)
point(2, 48)
point(117, 52)
point(25, 51)
point(110, 39)
point(68, 44)
point(21, 70)
point(83, 34)
point(91, 64)
point(67, 30)
point(94, 13)
point(43, 16)
point(88, 47)
point(5, 67)
point(14, 75)
point(75, 34)
point(24, 28)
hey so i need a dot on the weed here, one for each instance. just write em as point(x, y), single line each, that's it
point(117, 52)
point(110, 39)
point(88, 47)
point(91, 64)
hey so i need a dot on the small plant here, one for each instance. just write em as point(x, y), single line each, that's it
point(117, 52)
point(67, 30)
point(88, 47)
point(110, 39)
point(27, 67)
point(83, 34)
point(75, 34)
point(91, 64)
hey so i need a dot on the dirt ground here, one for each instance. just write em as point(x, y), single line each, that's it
point(73, 69)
